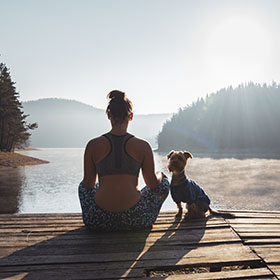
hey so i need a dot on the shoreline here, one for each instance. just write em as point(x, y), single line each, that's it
point(227, 154)
point(15, 159)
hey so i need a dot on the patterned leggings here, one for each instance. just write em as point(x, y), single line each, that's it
point(142, 215)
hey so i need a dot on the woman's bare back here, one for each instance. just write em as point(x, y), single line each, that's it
point(120, 192)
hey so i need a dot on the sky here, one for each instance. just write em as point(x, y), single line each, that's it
point(163, 53)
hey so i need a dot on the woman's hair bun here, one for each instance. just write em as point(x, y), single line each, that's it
point(119, 105)
point(116, 94)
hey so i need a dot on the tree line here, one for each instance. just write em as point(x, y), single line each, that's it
point(241, 119)
point(14, 130)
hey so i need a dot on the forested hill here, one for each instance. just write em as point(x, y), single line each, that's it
point(233, 120)
point(69, 123)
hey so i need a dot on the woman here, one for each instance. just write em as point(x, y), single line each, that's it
point(116, 158)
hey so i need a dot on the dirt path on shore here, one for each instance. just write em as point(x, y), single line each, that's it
point(10, 159)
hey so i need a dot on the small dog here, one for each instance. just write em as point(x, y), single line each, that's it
point(186, 190)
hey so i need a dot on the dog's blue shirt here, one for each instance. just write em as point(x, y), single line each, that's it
point(188, 192)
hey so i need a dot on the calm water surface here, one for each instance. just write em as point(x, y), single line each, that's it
point(230, 183)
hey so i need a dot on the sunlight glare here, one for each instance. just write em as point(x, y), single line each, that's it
point(237, 50)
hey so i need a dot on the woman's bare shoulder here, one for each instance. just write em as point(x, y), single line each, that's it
point(98, 147)
point(96, 141)
point(143, 144)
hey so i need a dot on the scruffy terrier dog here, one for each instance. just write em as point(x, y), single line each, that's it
point(188, 191)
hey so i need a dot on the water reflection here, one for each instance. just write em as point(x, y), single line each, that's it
point(11, 182)
point(52, 188)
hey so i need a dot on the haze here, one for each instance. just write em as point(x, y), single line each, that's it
point(164, 54)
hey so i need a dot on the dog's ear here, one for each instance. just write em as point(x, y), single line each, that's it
point(170, 154)
point(187, 154)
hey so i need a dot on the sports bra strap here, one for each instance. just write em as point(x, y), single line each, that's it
point(118, 161)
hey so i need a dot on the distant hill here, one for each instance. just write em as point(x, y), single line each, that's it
point(68, 123)
point(232, 120)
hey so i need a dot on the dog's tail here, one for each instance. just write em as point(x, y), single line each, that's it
point(221, 214)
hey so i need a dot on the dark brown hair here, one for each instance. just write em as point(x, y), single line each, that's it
point(119, 105)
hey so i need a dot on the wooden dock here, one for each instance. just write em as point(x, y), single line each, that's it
point(58, 246)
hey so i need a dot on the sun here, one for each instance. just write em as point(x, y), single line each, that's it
point(236, 50)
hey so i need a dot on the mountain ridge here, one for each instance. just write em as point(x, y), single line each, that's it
point(70, 123)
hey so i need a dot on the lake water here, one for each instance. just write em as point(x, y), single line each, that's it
point(231, 183)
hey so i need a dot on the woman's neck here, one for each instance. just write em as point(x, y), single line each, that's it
point(119, 130)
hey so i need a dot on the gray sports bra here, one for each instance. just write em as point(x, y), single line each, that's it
point(118, 161)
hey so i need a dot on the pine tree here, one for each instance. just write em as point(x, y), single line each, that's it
point(13, 126)
point(245, 119)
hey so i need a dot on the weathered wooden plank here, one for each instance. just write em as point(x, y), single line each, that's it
point(271, 259)
point(78, 234)
point(65, 245)
point(269, 254)
point(252, 221)
point(263, 273)
point(140, 263)
point(61, 229)
point(271, 215)
point(68, 218)
point(174, 242)
point(40, 229)
point(48, 248)
point(38, 249)
point(77, 230)
point(275, 268)
point(47, 223)
point(36, 223)
point(257, 229)
point(53, 223)
point(82, 272)
point(40, 215)
point(60, 275)
point(250, 211)
point(266, 249)
point(64, 215)
point(209, 277)
point(117, 248)
point(67, 215)
point(128, 266)
point(56, 231)
point(84, 230)
point(36, 218)
point(259, 235)
point(12, 276)
point(84, 233)
point(250, 242)
point(226, 252)
point(69, 275)
point(83, 250)
point(56, 242)
point(266, 246)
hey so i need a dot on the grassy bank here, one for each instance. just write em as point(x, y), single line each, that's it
point(16, 159)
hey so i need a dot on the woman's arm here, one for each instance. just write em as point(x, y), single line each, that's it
point(151, 179)
point(89, 167)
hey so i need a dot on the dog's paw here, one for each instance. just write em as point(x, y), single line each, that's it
point(190, 216)
point(194, 215)
point(179, 213)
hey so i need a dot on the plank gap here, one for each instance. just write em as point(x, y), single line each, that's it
point(202, 268)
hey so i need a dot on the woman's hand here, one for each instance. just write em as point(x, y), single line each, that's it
point(160, 175)
point(163, 175)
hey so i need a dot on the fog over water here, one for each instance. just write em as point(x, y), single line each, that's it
point(231, 183)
